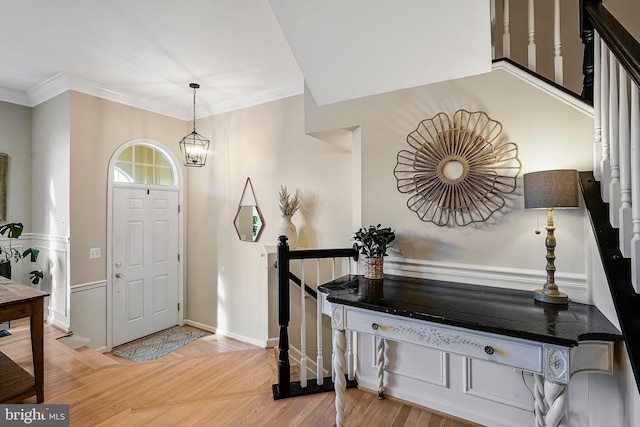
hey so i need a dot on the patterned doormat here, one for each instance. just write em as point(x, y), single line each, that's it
point(157, 345)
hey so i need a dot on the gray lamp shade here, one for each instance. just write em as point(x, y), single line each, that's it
point(551, 189)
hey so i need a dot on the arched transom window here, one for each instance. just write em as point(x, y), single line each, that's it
point(142, 164)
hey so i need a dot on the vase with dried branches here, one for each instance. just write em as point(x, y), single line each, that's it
point(289, 205)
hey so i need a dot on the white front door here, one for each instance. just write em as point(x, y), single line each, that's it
point(145, 262)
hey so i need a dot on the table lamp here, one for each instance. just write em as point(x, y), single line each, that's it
point(548, 190)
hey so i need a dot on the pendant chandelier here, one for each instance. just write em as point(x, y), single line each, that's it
point(194, 146)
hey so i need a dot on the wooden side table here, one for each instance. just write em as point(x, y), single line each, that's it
point(18, 301)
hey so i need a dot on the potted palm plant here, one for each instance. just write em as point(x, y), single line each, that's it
point(373, 242)
point(13, 230)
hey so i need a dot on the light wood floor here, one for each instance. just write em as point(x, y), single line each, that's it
point(213, 381)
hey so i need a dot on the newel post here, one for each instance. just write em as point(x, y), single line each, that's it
point(284, 369)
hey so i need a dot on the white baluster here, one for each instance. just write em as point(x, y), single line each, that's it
point(597, 145)
point(492, 7)
point(604, 117)
point(626, 231)
point(303, 329)
point(635, 185)
point(531, 49)
point(506, 36)
point(319, 357)
point(351, 374)
point(614, 144)
point(539, 408)
point(340, 382)
point(333, 277)
point(557, 55)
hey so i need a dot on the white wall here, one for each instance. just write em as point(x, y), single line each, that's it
point(51, 166)
point(98, 127)
point(15, 140)
point(549, 134)
point(50, 201)
point(504, 251)
point(226, 278)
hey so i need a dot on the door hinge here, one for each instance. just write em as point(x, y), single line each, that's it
point(178, 257)
point(178, 208)
point(147, 192)
point(178, 306)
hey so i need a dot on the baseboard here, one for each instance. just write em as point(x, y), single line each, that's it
point(224, 333)
point(440, 405)
point(272, 342)
point(199, 325)
point(60, 322)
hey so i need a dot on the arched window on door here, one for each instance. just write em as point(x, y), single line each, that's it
point(143, 164)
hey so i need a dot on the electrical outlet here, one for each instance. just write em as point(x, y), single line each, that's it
point(94, 253)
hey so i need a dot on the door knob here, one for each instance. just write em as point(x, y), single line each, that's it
point(118, 275)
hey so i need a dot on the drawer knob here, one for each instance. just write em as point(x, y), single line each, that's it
point(488, 349)
point(374, 326)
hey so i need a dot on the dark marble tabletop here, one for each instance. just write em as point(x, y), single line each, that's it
point(496, 310)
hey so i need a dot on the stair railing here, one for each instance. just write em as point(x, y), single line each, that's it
point(616, 78)
point(501, 23)
point(612, 64)
point(285, 387)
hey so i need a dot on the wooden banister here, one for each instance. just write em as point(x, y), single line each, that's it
point(623, 45)
point(285, 387)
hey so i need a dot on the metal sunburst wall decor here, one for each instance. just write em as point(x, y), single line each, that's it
point(455, 173)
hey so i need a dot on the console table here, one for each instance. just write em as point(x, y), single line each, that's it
point(18, 301)
point(503, 326)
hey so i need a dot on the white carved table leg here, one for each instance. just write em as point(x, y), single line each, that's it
point(350, 359)
point(380, 364)
point(555, 397)
point(339, 368)
point(538, 398)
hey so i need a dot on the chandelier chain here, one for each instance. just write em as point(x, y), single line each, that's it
point(194, 110)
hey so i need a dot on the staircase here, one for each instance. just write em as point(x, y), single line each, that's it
point(597, 36)
point(611, 80)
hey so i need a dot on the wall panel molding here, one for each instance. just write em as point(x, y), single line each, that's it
point(575, 285)
point(468, 388)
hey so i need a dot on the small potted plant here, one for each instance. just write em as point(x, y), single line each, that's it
point(13, 230)
point(373, 243)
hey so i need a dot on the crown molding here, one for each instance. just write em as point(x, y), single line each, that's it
point(262, 96)
point(14, 97)
point(50, 88)
point(63, 82)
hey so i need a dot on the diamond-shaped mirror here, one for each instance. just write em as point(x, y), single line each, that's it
point(248, 221)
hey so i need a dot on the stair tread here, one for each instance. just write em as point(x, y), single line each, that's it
point(294, 373)
point(86, 355)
